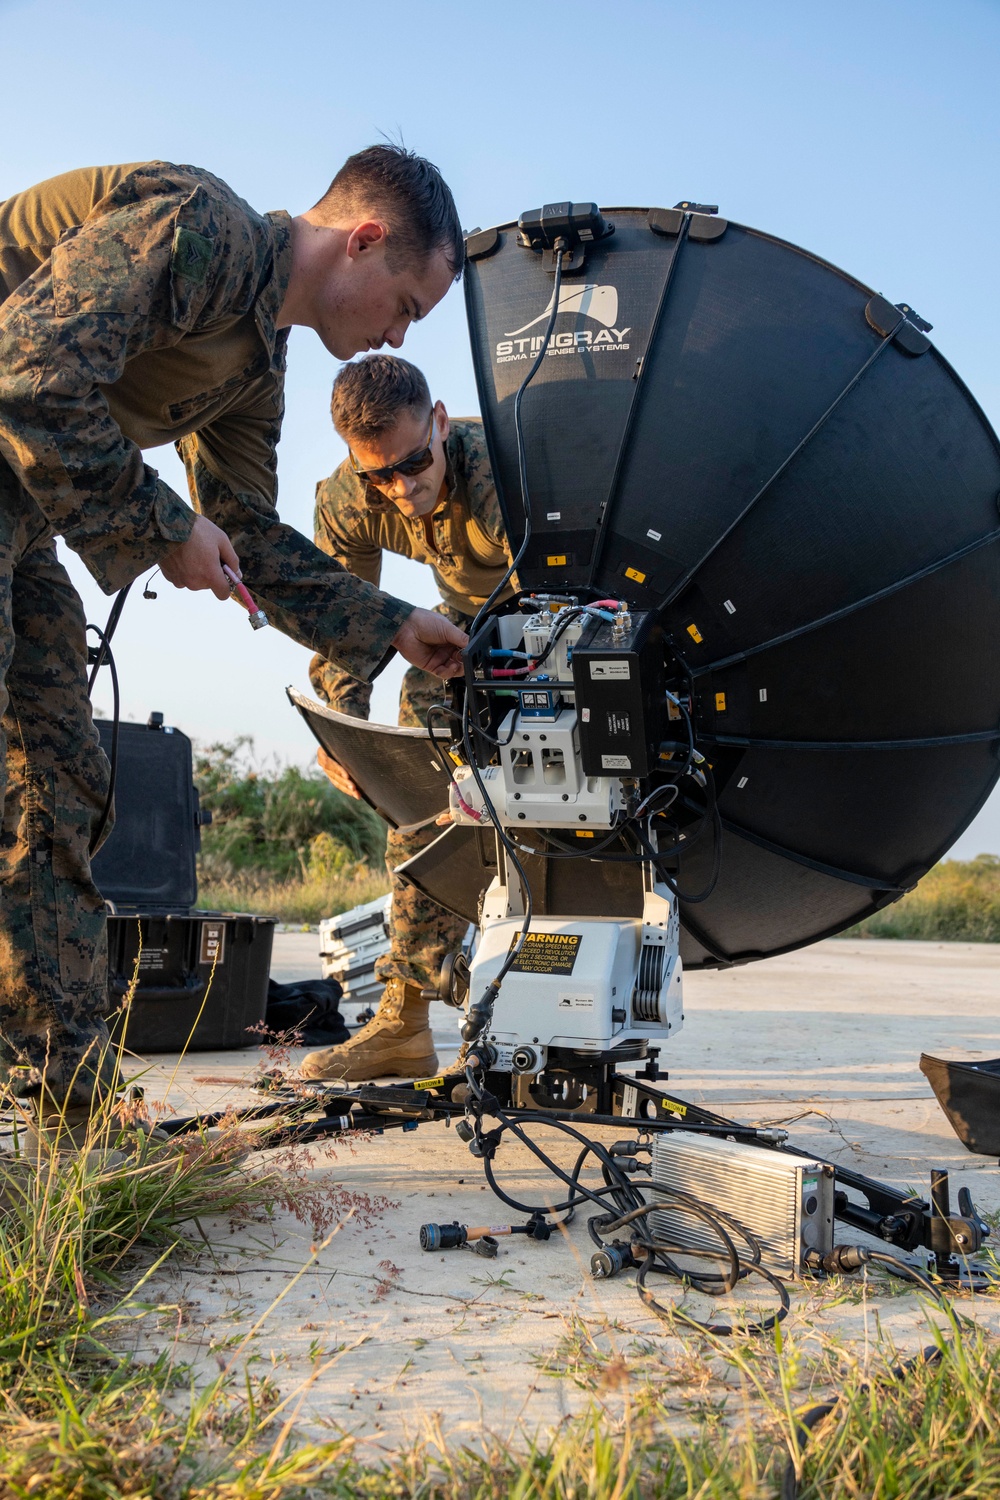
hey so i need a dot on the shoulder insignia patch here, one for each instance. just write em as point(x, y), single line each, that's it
point(191, 255)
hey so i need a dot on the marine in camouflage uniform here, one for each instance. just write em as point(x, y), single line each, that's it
point(465, 545)
point(137, 306)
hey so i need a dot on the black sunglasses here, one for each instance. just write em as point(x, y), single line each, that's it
point(414, 463)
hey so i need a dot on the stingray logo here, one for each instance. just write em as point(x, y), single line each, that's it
point(592, 301)
point(598, 303)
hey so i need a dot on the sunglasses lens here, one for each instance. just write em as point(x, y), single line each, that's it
point(417, 464)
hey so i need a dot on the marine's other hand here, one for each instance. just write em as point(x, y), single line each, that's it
point(430, 641)
point(337, 774)
point(197, 563)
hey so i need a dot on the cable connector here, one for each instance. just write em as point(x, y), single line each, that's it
point(479, 1014)
point(841, 1260)
point(612, 1260)
point(626, 1148)
point(239, 590)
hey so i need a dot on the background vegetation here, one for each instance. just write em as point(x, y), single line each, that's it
point(957, 901)
point(84, 1226)
point(285, 843)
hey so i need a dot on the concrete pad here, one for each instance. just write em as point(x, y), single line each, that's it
point(375, 1337)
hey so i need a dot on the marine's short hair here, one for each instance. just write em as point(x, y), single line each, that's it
point(409, 193)
point(370, 394)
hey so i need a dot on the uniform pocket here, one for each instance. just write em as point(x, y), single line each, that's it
point(67, 910)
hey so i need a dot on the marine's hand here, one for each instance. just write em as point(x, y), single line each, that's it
point(197, 563)
point(430, 641)
point(337, 774)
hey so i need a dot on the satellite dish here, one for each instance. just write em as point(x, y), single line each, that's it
point(735, 434)
point(779, 462)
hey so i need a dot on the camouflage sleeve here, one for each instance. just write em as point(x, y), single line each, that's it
point(344, 524)
point(344, 532)
point(111, 290)
point(304, 592)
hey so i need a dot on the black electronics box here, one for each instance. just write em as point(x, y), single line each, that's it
point(200, 978)
point(619, 684)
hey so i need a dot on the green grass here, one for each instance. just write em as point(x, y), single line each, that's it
point(957, 901)
point(82, 1235)
point(119, 1432)
point(283, 842)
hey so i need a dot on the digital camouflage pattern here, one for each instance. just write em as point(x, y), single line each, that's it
point(421, 933)
point(53, 784)
point(145, 315)
point(466, 546)
point(463, 542)
point(137, 307)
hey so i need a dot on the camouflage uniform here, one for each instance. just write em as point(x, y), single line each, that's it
point(137, 307)
point(465, 545)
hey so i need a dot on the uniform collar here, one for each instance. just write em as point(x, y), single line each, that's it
point(276, 275)
point(450, 471)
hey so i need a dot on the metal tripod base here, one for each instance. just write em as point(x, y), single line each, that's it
point(593, 1092)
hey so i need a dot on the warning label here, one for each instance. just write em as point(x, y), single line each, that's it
point(547, 953)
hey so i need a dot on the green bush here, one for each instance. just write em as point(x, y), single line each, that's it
point(957, 901)
point(281, 823)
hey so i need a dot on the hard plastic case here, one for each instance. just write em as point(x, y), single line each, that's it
point(200, 977)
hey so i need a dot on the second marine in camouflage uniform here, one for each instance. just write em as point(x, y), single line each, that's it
point(458, 532)
point(465, 547)
point(138, 305)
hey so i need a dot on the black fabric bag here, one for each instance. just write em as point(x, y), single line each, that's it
point(309, 1007)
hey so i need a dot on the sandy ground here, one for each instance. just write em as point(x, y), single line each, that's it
point(370, 1335)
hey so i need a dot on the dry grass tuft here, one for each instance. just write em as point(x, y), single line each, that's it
point(306, 899)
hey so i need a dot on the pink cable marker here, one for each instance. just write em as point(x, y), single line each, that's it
point(258, 619)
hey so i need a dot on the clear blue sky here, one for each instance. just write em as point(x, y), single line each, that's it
point(866, 132)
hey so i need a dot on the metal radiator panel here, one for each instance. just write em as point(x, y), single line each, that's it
point(786, 1202)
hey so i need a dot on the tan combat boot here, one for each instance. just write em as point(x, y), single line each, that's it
point(396, 1043)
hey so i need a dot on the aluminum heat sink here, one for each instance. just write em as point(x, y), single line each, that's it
point(786, 1202)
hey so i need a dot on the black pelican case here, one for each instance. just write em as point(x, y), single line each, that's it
point(200, 977)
